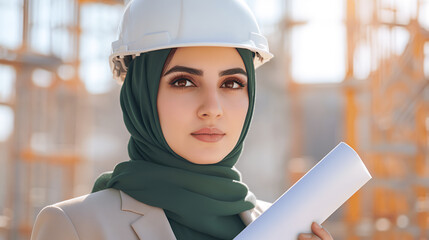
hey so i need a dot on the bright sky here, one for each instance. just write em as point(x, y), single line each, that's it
point(318, 48)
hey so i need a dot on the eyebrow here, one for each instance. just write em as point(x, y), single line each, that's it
point(233, 71)
point(189, 70)
point(199, 72)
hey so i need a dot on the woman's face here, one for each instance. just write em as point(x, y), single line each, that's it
point(203, 102)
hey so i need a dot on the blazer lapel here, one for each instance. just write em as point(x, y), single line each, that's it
point(152, 224)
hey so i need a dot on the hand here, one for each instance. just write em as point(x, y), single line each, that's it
point(319, 233)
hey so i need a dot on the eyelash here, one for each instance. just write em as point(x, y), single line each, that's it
point(181, 77)
point(240, 82)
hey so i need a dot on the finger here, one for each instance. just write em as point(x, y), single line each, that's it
point(308, 236)
point(320, 232)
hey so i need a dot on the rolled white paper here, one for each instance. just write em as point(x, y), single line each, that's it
point(320, 192)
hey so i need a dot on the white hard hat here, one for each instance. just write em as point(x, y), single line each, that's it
point(149, 25)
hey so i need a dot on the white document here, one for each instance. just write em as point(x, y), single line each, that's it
point(320, 192)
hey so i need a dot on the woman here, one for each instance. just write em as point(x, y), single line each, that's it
point(187, 105)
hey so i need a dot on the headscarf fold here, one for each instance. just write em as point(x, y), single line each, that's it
point(200, 201)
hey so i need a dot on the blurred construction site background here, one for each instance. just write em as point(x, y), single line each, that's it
point(344, 70)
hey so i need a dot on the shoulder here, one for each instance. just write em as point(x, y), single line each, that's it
point(108, 198)
point(43, 228)
point(63, 220)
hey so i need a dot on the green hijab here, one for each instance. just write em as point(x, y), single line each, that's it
point(200, 201)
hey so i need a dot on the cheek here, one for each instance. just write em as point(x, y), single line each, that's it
point(235, 110)
point(174, 112)
point(237, 106)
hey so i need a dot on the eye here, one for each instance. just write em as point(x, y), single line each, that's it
point(233, 84)
point(182, 82)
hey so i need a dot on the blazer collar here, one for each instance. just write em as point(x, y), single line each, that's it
point(152, 224)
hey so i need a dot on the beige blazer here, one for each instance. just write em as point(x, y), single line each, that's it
point(110, 214)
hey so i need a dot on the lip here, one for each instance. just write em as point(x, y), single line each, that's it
point(208, 134)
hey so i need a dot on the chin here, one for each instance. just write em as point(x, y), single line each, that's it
point(205, 155)
point(213, 159)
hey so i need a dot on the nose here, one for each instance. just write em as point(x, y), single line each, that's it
point(211, 106)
